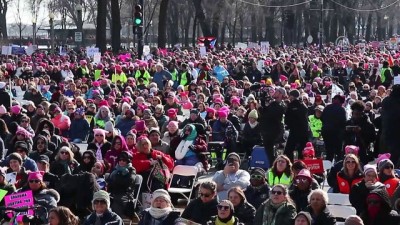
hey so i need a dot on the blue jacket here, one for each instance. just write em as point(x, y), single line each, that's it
point(79, 129)
point(125, 125)
point(223, 131)
point(158, 78)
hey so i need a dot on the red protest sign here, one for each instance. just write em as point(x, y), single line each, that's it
point(314, 165)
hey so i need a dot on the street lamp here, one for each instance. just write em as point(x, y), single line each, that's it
point(51, 16)
point(33, 31)
point(386, 18)
point(78, 9)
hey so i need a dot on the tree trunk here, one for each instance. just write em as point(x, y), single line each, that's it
point(101, 41)
point(223, 30)
point(253, 26)
point(368, 28)
point(162, 24)
point(194, 27)
point(174, 24)
point(116, 26)
point(186, 33)
point(3, 18)
point(201, 17)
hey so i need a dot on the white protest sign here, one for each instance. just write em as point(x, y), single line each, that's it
point(241, 45)
point(253, 45)
point(264, 47)
point(31, 49)
point(362, 47)
point(396, 80)
point(90, 51)
point(203, 51)
point(146, 50)
point(393, 43)
point(97, 57)
point(63, 50)
point(11, 178)
point(6, 50)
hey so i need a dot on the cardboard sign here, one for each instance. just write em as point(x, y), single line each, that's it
point(97, 57)
point(396, 80)
point(314, 165)
point(18, 200)
point(11, 177)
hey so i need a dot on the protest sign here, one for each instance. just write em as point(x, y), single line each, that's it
point(19, 200)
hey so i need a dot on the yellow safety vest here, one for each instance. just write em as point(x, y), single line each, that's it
point(273, 180)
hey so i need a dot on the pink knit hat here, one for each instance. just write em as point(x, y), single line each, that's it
point(25, 133)
point(222, 113)
point(140, 125)
point(382, 157)
point(172, 124)
point(99, 131)
point(35, 176)
point(235, 100)
point(16, 109)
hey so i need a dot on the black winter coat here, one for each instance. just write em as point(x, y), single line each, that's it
point(324, 218)
point(271, 118)
point(296, 118)
point(200, 212)
point(108, 217)
point(256, 196)
point(359, 193)
point(245, 212)
point(300, 198)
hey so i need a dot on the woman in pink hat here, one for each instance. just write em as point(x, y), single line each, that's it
point(99, 145)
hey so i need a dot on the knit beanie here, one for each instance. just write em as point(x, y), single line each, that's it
point(15, 156)
point(161, 193)
point(109, 126)
point(353, 220)
point(102, 195)
point(253, 114)
point(383, 163)
point(305, 215)
point(368, 168)
point(234, 156)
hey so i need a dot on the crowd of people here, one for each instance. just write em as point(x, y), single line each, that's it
point(141, 118)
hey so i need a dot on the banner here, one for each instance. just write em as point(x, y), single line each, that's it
point(241, 45)
point(252, 45)
point(314, 165)
point(18, 200)
point(63, 50)
point(17, 50)
point(6, 50)
point(31, 49)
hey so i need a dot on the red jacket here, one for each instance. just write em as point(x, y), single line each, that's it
point(141, 161)
point(344, 184)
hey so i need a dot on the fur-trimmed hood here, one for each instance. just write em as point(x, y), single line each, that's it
point(50, 192)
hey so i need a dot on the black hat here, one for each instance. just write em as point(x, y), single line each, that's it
point(259, 171)
point(294, 93)
point(125, 155)
point(44, 159)
point(22, 145)
point(341, 98)
point(15, 156)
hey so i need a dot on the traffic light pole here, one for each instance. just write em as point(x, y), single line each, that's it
point(140, 36)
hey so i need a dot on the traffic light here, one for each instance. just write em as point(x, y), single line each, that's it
point(138, 16)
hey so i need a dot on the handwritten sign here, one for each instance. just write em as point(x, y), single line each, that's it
point(314, 165)
point(18, 200)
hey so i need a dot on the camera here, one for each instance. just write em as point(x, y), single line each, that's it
point(262, 92)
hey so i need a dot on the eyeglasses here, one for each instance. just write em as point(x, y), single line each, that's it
point(350, 162)
point(204, 195)
point(223, 207)
point(102, 202)
point(257, 177)
point(117, 143)
point(64, 153)
point(276, 192)
point(34, 181)
point(301, 180)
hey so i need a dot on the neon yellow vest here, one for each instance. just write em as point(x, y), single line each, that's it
point(315, 125)
point(383, 77)
point(146, 77)
point(97, 74)
point(184, 80)
point(273, 180)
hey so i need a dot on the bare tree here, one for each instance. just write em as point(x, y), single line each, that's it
point(18, 18)
point(3, 18)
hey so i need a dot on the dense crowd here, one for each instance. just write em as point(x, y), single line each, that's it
point(141, 118)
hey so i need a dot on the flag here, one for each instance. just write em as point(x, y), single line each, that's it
point(212, 43)
point(390, 61)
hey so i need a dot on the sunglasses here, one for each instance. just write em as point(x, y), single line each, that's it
point(102, 202)
point(204, 195)
point(117, 143)
point(301, 180)
point(223, 207)
point(276, 192)
point(388, 167)
point(350, 162)
point(34, 181)
point(257, 177)
point(64, 153)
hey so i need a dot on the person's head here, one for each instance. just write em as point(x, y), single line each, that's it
point(233, 162)
point(98, 168)
point(303, 180)
point(225, 209)
point(279, 194)
point(161, 199)
point(318, 199)
point(99, 135)
point(282, 164)
point(207, 191)
point(236, 196)
point(353, 220)
point(43, 163)
point(15, 162)
point(357, 108)
point(318, 111)
point(308, 151)
point(294, 95)
point(370, 174)
point(101, 202)
point(35, 181)
point(386, 167)
point(65, 154)
point(351, 164)
point(118, 143)
point(154, 136)
point(378, 201)
point(40, 143)
point(62, 216)
point(223, 116)
point(143, 145)
point(172, 127)
point(303, 218)
point(88, 157)
point(257, 177)
point(22, 148)
point(130, 139)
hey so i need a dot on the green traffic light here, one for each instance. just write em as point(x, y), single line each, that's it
point(138, 21)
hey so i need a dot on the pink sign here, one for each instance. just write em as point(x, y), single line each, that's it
point(18, 200)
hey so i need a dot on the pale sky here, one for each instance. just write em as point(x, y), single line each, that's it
point(26, 15)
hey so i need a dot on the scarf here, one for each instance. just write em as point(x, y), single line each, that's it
point(230, 221)
point(66, 163)
point(270, 210)
point(124, 170)
point(183, 148)
point(158, 213)
point(252, 125)
point(99, 154)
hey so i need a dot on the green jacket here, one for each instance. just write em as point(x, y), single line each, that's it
point(284, 215)
point(315, 125)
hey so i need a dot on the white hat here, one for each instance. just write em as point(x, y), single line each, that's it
point(2, 85)
point(161, 193)
point(3, 109)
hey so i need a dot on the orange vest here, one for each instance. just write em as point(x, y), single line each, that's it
point(343, 184)
point(391, 185)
